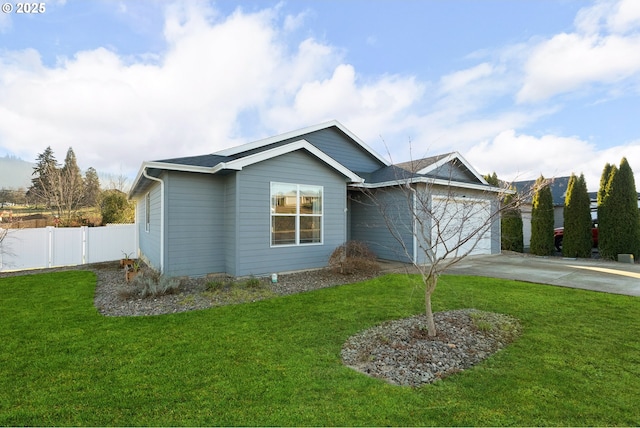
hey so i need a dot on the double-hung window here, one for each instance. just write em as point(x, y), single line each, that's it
point(296, 214)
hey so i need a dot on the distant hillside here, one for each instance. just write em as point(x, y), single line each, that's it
point(15, 173)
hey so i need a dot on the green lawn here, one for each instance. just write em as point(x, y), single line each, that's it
point(277, 362)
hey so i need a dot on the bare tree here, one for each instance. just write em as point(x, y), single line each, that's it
point(4, 247)
point(60, 188)
point(62, 191)
point(437, 219)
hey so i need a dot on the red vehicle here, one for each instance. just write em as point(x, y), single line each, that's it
point(558, 235)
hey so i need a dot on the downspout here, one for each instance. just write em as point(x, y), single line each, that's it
point(144, 173)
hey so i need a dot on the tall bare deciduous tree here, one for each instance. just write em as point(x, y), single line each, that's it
point(61, 188)
point(4, 246)
point(436, 223)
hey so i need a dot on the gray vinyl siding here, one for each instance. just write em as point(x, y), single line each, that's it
point(340, 147)
point(195, 224)
point(371, 217)
point(254, 254)
point(149, 241)
point(230, 229)
point(452, 172)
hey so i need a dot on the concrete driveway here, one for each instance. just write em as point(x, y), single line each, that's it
point(588, 274)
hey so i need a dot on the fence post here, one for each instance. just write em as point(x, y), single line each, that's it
point(49, 246)
point(84, 244)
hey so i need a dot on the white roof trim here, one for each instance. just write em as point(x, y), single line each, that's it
point(166, 166)
point(449, 158)
point(432, 181)
point(293, 134)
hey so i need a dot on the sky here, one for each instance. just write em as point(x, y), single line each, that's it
point(521, 88)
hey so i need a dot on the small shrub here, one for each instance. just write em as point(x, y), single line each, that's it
point(353, 257)
point(252, 282)
point(150, 283)
point(216, 285)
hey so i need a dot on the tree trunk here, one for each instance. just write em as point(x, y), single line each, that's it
point(430, 285)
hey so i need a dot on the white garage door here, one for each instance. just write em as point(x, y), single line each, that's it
point(460, 226)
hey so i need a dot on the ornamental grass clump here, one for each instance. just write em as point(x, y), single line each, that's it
point(150, 283)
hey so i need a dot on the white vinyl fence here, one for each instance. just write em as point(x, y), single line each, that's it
point(66, 246)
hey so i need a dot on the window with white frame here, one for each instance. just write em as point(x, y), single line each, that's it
point(147, 212)
point(296, 214)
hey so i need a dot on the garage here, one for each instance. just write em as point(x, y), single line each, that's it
point(460, 226)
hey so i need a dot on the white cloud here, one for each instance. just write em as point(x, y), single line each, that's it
point(459, 79)
point(224, 80)
point(569, 62)
point(602, 50)
point(611, 16)
point(117, 112)
point(519, 157)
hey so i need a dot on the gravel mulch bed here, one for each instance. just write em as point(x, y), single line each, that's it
point(402, 353)
point(399, 351)
point(194, 294)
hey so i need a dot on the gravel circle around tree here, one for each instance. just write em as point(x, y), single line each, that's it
point(402, 353)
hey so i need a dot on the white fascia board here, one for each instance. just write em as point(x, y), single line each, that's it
point(297, 133)
point(449, 158)
point(238, 164)
point(431, 181)
point(167, 167)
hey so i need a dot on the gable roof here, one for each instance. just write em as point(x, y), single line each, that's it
point(260, 144)
point(236, 158)
point(213, 164)
point(446, 169)
point(442, 169)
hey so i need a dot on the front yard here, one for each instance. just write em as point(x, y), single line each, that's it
point(277, 361)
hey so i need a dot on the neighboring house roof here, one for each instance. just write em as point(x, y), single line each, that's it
point(558, 189)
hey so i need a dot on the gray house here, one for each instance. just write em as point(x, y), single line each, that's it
point(286, 202)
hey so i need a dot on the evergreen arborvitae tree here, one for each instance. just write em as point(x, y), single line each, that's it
point(604, 180)
point(605, 220)
point(492, 179)
point(511, 230)
point(512, 237)
point(542, 219)
point(620, 220)
point(577, 241)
